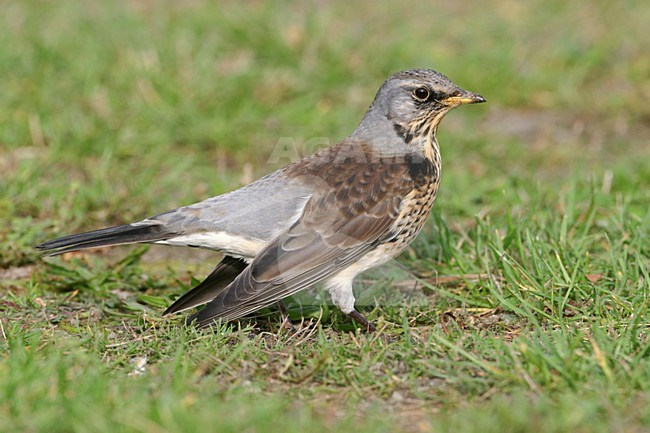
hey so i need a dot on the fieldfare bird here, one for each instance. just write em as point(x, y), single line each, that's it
point(326, 218)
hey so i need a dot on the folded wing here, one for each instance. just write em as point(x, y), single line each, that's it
point(337, 228)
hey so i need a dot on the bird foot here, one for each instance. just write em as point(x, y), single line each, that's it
point(358, 317)
point(286, 322)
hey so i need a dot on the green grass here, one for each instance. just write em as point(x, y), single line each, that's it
point(523, 306)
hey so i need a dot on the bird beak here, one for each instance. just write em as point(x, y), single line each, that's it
point(464, 97)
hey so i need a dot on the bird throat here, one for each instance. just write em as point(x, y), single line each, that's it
point(421, 136)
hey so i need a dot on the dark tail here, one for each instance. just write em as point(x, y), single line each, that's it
point(127, 234)
point(222, 275)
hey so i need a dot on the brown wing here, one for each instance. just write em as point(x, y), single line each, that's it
point(355, 212)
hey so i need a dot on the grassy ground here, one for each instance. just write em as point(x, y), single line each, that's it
point(522, 307)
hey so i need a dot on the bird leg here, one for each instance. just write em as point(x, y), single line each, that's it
point(286, 322)
point(358, 317)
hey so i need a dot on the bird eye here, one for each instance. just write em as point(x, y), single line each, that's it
point(421, 93)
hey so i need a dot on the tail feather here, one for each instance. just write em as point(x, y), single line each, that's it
point(222, 275)
point(126, 234)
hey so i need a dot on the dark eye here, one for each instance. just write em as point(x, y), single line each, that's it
point(421, 93)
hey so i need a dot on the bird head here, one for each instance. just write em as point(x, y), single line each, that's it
point(415, 101)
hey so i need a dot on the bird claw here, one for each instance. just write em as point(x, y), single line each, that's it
point(286, 322)
point(359, 318)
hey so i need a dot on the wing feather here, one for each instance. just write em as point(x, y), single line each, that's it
point(354, 210)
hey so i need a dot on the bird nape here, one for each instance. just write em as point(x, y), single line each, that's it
point(323, 219)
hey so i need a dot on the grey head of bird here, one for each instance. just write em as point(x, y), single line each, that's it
point(412, 103)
